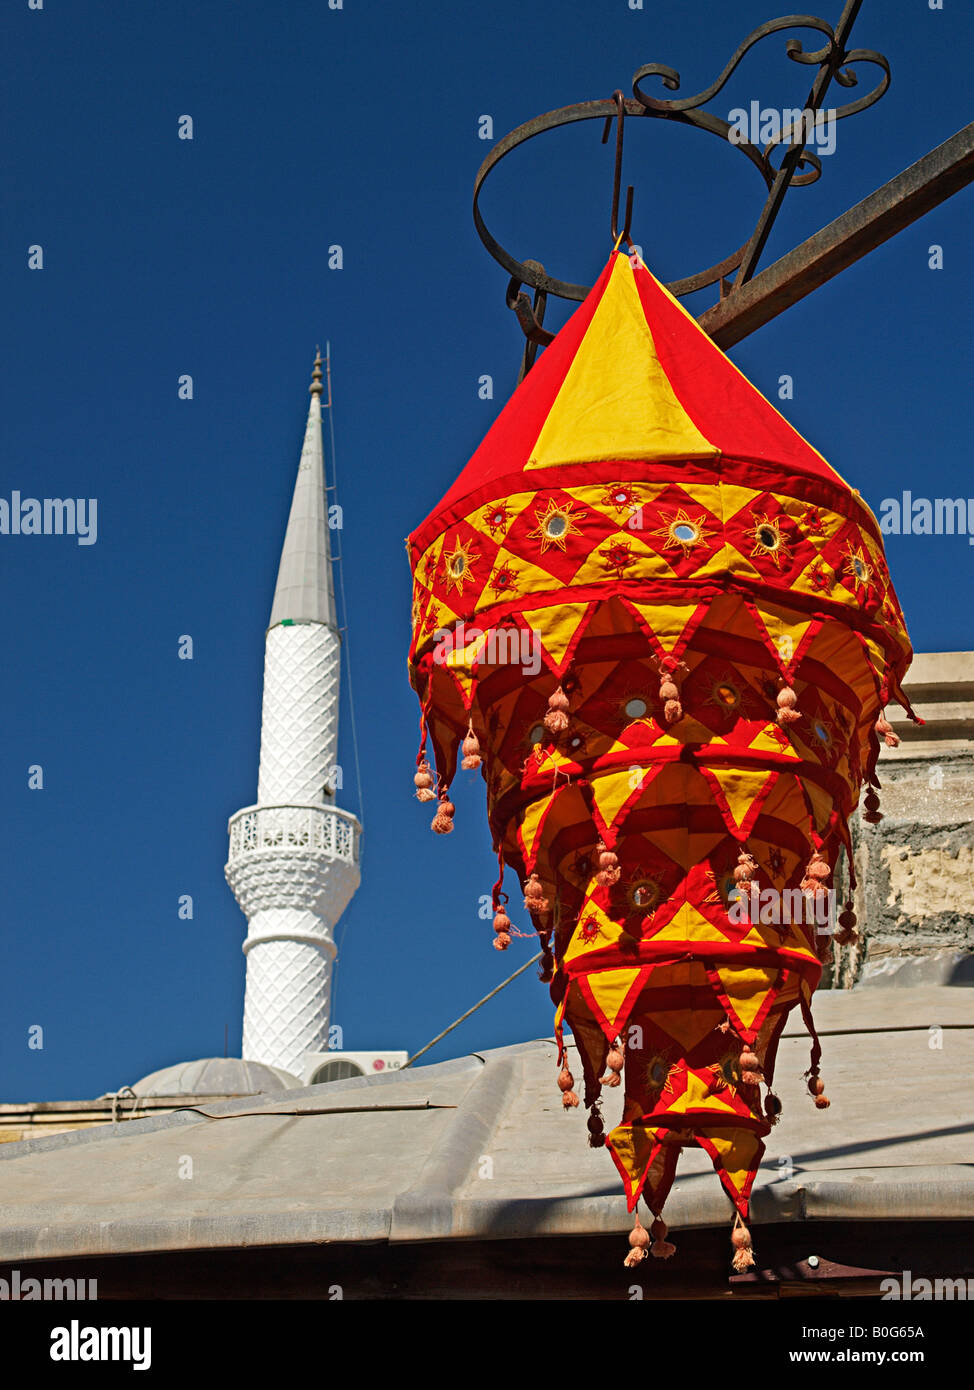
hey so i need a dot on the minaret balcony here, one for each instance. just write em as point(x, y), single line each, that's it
point(314, 829)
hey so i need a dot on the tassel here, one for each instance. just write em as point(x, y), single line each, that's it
point(556, 720)
point(614, 1063)
point(566, 1083)
point(885, 731)
point(816, 1088)
point(772, 1108)
point(662, 1249)
point(745, 870)
point(817, 871)
point(443, 820)
point(741, 1241)
point(872, 814)
point(609, 871)
point(752, 1073)
point(669, 691)
point(534, 898)
point(423, 781)
point(502, 926)
point(596, 1130)
point(638, 1240)
point(847, 934)
point(471, 751)
point(786, 701)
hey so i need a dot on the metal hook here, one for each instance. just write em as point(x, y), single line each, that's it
point(530, 317)
point(618, 236)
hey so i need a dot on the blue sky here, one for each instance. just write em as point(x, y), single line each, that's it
point(357, 127)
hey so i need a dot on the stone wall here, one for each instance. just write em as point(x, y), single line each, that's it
point(915, 900)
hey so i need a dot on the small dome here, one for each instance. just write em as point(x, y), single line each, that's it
point(216, 1076)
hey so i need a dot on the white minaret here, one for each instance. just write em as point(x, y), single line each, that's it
point(294, 857)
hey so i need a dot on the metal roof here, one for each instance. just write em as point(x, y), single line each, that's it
point(480, 1148)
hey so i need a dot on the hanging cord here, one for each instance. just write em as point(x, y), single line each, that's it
point(347, 663)
point(416, 1055)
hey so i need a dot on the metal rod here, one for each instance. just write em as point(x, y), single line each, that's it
point(924, 185)
point(439, 1036)
point(789, 163)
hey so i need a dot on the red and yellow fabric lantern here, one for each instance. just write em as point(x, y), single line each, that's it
point(662, 627)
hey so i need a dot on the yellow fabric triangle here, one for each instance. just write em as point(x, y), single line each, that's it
point(594, 932)
point(531, 826)
point(666, 621)
point(784, 627)
point(616, 402)
point(699, 1096)
point(612, 789)
point(556, 626)
point(770, 739)
point(747, 989)
point(738, 1152)
point(633, 1147)
point(687, 924)
point(741, 787)
point(495, 519)
point(609, 990)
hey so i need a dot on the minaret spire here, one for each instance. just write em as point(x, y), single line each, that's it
point(293, 862)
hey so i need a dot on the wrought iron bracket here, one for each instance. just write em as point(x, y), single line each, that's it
point(797, 165)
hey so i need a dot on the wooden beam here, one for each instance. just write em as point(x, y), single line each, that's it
point(924, 185)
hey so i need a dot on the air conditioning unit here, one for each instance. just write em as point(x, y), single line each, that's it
point(342, 1066)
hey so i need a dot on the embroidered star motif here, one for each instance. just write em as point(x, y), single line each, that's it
point(556, 524)
point(459, 564)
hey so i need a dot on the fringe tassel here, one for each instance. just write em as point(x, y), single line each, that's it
point(423, 781)
point(615, 1061)
point(847, 934)
point(772, 1108)
point(502, 928)
point(669, 690)
point(872, 814)
point(786, 701)
point(556, 719)
point(443, 820)
point(662, 1249)
point(745, 870)
point(817, 874)
point(534, 898)
point(638, 1241)
point(596, 1129)
point(609, 870)
point(752, 1073)
point(471, 750)
point(885, 731)
point(816, 1086)
point(741, 1241)
point(566, 1084)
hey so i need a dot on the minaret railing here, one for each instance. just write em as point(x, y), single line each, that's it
point(315, 828)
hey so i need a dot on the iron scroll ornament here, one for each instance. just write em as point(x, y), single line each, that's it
point(834, 62)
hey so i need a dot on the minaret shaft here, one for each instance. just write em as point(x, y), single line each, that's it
point(293, 862)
